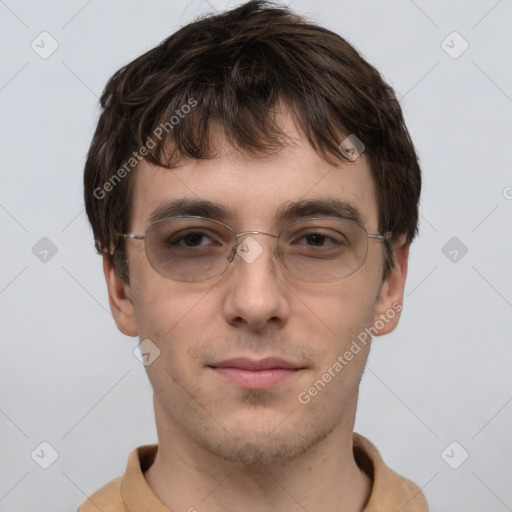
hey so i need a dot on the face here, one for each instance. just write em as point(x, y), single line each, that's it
point(256, 312)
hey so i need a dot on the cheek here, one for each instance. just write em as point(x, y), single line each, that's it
point(159, 303)
point(332, 385)
point(165, 316)
point(174, 316)
point(340, 310)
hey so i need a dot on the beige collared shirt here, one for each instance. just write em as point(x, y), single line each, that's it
point(131, 493)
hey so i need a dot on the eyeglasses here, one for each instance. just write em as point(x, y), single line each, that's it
point(196, 249)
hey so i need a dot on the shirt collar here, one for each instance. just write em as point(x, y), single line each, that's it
point(390, 491)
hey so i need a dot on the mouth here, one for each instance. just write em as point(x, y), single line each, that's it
point(256, 374)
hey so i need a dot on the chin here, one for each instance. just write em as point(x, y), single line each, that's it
point(263, 443)
point(253, 453)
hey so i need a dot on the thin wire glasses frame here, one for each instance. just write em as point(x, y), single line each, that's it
point(233, 247)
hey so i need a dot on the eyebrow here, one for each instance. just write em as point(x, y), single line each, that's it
point(191, 208)
point(328, 207)
point(293, 210)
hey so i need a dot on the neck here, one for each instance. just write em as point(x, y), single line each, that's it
point(326, 478)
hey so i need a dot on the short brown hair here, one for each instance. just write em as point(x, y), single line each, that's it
point(234, 69)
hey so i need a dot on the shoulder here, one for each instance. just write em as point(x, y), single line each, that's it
point(107, 499)
point(131, 485)
point(390, 491)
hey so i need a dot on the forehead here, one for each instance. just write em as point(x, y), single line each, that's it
point(256, 191)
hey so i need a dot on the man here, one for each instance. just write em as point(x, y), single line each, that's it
point(253, 191)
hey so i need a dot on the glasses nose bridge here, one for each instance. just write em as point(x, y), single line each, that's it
point(246, 233)
point(243, 234)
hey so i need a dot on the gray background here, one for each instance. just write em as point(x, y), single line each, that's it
point(68, 377)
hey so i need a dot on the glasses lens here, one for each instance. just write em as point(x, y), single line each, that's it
point(324, 249)
point(188, 249)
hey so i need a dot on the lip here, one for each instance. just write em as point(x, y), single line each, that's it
point(244, 363)
point(255, 374)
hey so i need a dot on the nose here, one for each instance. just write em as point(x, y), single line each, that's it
point(255, 294)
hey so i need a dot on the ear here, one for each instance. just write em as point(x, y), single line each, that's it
point(120, 300)
point(390, 299)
